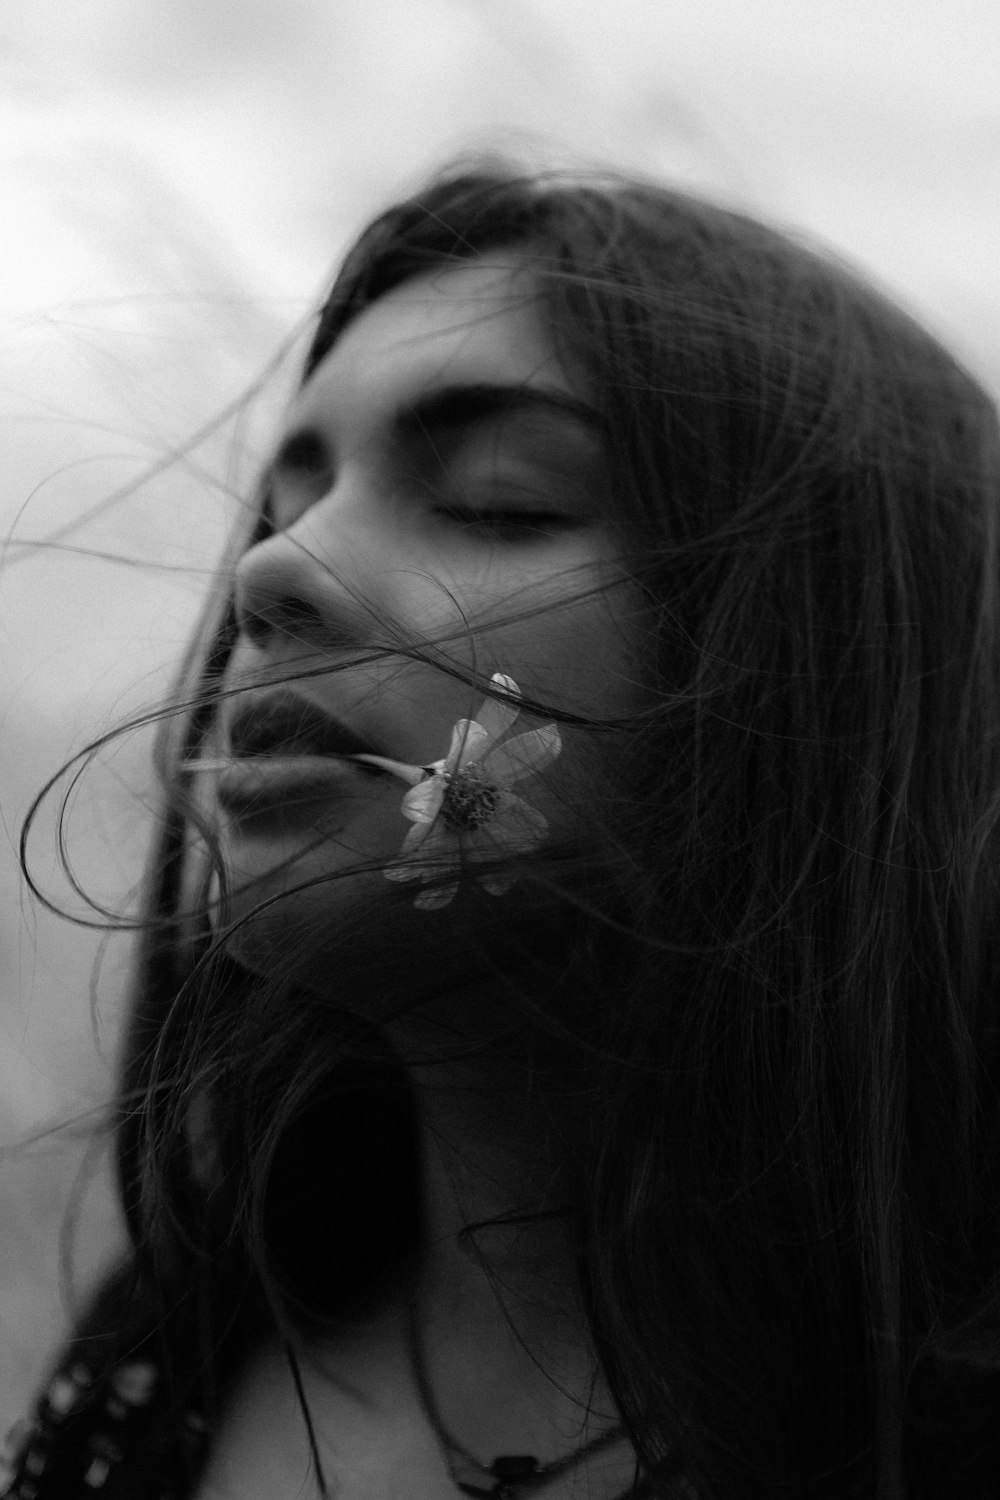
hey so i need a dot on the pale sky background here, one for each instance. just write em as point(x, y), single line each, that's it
point(177, 179)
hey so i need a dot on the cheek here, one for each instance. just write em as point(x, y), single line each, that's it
point(577, 658)
point(543, 621)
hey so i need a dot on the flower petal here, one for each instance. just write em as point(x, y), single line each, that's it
point(422, 803)
point(436, 896)
point(525, 753)
point(468, 741)
point(496, 715)
point(426, 849)
point(417, 837)
point(517, 826)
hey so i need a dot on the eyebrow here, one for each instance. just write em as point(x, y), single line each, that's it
point(453, 407)
point(449, 408)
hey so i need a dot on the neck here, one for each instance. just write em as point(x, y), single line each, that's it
point(497, 1196)
point(498, 1318)
point(498, 1128)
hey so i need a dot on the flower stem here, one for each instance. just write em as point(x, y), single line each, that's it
point(412, 775)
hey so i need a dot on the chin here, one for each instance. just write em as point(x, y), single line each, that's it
point(358, 940)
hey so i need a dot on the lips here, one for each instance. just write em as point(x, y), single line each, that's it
point(285, 762)
point(282, 724)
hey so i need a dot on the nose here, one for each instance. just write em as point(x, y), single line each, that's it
point(286, 585)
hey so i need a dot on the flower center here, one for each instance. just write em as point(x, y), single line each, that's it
point(470, 800)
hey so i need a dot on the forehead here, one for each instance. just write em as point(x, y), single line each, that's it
point(483, 321)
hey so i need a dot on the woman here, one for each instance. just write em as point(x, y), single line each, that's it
point(623, 587)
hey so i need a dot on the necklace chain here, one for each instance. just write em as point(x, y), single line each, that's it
point(509, 1474)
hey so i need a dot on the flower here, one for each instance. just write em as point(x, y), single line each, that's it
point(464, 801)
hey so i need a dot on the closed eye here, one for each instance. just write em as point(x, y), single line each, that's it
point(508, 525)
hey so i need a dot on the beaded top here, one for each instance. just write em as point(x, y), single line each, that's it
point(106, 1437)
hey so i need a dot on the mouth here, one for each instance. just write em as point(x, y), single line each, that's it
point(284, 758)
point(280, 724)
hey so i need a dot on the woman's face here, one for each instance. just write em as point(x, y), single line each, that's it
point(440, 478)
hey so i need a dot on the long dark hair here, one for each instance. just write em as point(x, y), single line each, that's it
point(789, 1235)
